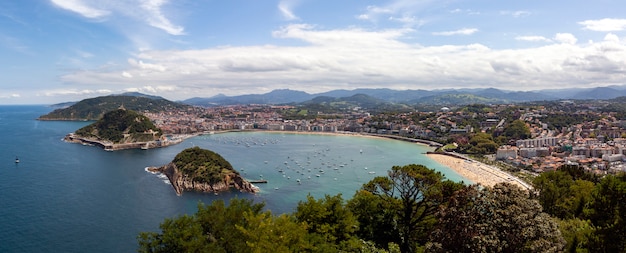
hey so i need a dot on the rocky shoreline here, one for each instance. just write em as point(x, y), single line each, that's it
point(182, 182)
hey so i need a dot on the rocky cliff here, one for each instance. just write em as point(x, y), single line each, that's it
point(182, 182)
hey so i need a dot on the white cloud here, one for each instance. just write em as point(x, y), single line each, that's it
point(351, 58)
point(533, 38)
point(285, 7)
point(81, 8)
point(146, 66)
point(10, 95)
point(466, 11)
point(149, 12)
point(566, 38)
point(604, 25)
point(404, 8)
point(156, 18)
point(464, 31)
point(62, 92)
point(150, 89)
point(611, 37)
point(516, 14)
point(126, 74)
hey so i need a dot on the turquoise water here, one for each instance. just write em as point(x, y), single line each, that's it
point(65, 197)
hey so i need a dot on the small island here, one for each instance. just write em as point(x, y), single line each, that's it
point(122, 129)
point(196, 169)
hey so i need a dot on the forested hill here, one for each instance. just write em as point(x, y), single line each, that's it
point(95, 108)
point(203, 165)
point(121, 126)
point(196, 169)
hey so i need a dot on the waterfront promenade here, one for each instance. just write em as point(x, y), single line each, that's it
point(477, 172)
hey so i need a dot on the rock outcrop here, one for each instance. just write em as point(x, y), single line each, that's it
point(182, 182)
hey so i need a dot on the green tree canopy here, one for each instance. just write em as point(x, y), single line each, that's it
point(212, 229)
point(499, 219)
point(413, 194)
point(115, 124)
point(329, 221)
point(243, 226)
point(607, 212)
point(202, 165)
point(481, 143)
point(376, 218)
point(517, 130)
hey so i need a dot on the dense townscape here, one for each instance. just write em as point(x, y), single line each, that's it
point(538, 137)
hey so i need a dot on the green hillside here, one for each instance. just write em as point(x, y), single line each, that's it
point(458, 99)
point(122, 126)
point(203, 165)
point(94, 108)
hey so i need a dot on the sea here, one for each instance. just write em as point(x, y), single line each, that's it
point(67, 197)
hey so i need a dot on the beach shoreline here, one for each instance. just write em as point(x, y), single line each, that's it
point(470, 170)
point(336, 133)
point(476, 172)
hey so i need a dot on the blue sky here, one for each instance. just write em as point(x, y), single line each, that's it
point(66, 50)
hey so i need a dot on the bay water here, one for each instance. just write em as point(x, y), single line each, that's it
point(65, 197)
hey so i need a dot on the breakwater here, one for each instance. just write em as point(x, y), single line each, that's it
point(110, 146)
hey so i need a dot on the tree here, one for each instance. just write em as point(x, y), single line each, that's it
point(552, 187)
point(561, 195)
point(183, 234)
point(578, 234)
point(267, 233)
point(329, 221)
point(482, 143)
point(212, 229)
point(499, 219)
point(376, 218)
point(607, 212)
point(324, 225)
point(517, 130)
point(413, 194)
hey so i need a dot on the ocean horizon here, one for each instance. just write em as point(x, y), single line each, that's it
point(67, 197)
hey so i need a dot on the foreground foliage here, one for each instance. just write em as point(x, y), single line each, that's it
point(499, 219)
point(413, 209)
point(407, 199)
point(592, 210)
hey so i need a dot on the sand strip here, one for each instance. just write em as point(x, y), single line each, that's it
point(477, 172)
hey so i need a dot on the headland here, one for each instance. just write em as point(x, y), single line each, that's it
point(196, 169)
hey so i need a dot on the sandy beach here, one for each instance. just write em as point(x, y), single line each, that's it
point(477, 172)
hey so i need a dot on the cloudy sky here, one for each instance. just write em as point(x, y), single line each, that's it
point(66, 50)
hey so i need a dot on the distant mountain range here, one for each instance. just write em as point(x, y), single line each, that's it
point(373, 100)
point(417, 97)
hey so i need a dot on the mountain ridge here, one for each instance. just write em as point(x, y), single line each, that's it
point(419, 96)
